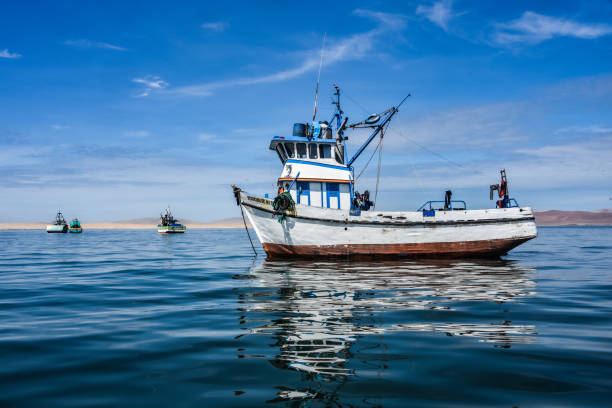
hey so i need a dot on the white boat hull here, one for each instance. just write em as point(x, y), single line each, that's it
point(57, 228)
point(315, 231)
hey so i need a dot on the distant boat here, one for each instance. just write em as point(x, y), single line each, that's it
point(59, 226)
point(318, 211)
point(75, 226)
point(169, 225)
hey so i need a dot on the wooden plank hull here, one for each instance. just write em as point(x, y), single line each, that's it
point(462, 249)
point(320, 232)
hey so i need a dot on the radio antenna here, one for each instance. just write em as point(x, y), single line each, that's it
point(314, 115)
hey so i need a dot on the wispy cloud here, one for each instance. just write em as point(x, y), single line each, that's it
point(205, 136)
point(216, 26)
point(533, 28)
point(84, 43)
point(388, 21)
point(11, 55)
point(591, 129)
point(59, 127)
point(150, 83)
point(439, 13)
point(353, 47)
point(137, 134)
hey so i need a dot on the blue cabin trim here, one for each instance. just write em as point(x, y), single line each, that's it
point(303, 188)
point(318, 164)
point(322, 187)
point(333, 190)
point(303, 139)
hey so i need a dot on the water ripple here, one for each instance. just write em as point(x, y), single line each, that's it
point(134, 318)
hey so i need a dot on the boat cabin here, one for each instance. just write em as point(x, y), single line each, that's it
point(314, 169)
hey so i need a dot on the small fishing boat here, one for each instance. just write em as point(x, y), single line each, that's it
point(169, 225)
point(319, 212)
point(59, 226)
point(75, 226)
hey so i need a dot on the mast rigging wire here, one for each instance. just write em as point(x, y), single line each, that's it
point(368, 162)
point(431, 151)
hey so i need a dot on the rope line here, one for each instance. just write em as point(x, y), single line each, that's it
point(247, 231)
point(356, 103)
point(431, 151)
point(368, 162)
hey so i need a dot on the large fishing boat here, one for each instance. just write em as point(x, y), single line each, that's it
point(169, 225)
point(319, 212)
point(59, 226)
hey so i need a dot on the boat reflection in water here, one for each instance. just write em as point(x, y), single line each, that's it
point(318, 310)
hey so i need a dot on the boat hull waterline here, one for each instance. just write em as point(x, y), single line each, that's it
point(171, 230)
point(313, 231)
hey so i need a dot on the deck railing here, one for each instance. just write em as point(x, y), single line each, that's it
point(452, 206)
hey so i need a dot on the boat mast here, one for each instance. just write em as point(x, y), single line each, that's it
point(340, 124)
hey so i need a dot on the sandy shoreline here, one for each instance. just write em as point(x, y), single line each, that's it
point(110, 226)
point(553, 218)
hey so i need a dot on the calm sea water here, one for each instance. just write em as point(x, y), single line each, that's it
point(135, 318)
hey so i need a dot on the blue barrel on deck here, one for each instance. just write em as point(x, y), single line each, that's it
point(299, 129)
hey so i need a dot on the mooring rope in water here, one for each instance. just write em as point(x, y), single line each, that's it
point(247, 231)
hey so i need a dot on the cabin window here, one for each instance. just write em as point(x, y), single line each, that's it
point(281, 152)
point(301, 150)
point(303, 192)
point(337, 155)
point(312, 151)
point(324, 151)
point(289, 148)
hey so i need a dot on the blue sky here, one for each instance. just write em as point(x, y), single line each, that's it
point(112, 111)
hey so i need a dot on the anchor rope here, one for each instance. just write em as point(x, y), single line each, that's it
point(247, 231)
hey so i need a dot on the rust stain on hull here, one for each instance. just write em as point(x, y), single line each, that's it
point(466, 249)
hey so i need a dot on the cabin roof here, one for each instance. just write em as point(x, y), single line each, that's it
point(302, 139)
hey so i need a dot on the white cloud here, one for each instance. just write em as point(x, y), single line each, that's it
point(150, 82)
point(353, 47)
point(390, 21)
point(204, 136)
point(460, 129)
point(533, 28)
point(439, 13)
point(216, 26)
point(84, 43)
point(59, 127)
point(11, 55)
point(591, 129)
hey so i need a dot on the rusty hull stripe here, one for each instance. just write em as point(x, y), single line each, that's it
point(484, 248)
